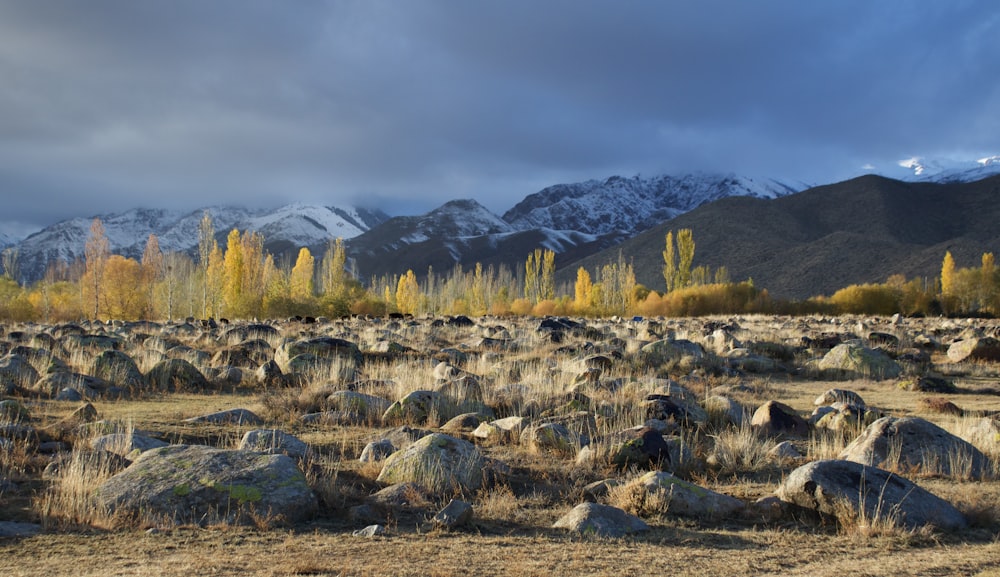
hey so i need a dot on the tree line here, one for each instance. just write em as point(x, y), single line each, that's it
point(241, 280)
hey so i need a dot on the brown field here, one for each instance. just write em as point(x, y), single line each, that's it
point(511, 532)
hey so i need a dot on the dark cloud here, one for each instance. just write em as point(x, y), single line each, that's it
point(115, 104)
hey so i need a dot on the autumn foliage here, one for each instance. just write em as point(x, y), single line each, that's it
point(242, 281)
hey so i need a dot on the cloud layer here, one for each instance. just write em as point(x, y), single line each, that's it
point(109, 105)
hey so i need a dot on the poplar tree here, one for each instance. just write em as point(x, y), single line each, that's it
point(96, 250)
point(234, 269)
point(206, 244)
point(333, 276)
point(584, 289)
point(407, 293)
point(301, 278)
point(948, 274)
point(152, 270)
point(685, 252)
point(670, 263)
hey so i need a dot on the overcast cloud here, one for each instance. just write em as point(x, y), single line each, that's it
point(109, 105)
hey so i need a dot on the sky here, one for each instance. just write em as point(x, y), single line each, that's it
point(108, 105)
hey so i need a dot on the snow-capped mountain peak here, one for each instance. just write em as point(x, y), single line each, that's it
point(626, 206)
point(294, 225)
point(920, 169)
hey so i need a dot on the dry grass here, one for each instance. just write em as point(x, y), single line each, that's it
point(676, 550)
point(511, 530)
point(739, 450)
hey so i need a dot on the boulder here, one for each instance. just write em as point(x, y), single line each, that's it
point(673, 408)
point(975, 349)
point(125, 444)
point(843, 416)
point(600, 521)
point(269, 374)
point(441, 463)
point(855, 361)
point(669, 350)
point(464, 423)
point(12, 530)
point(376, 451)
point(196, 483)
point(852, 492)
point(839, 395)
point(985, 433)
point(274, 442)
point(928, 384)
point(51, 384)
point(914, 444)
point(417, 406)
point(17, 372)
point(553, 438)
point(229, 417)
point(500, 429)
point(774, 419)
point(173, 375)
point(12, 411)
point(118, 369)
point(325, 349)
point(681, 497)
point(723, 411)
point(454, 515)
point(368, 406)
point(640, 447)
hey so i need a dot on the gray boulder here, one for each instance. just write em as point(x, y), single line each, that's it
point(230, 417)
point(173, 375)
point(851, 492)
point(376, 451)
point(855, 361)
point(16, 372)
point(439, 462)
point(322, 349)
point(11, 529)
point(600, 521)
point(553, 438)
point(118, 369)
point(455, 514)
point(832, 396)
point(914, 444)
point(124, 444)
point(681, 497)
point(274, 442)
point(195, 483)
point(774, 419)
point(417, 406)
point(501, 429)
point(367, 406)
point(670, 350)
point(975, 349)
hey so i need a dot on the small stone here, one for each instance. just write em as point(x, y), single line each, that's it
point(370, 531)
point(455, 514)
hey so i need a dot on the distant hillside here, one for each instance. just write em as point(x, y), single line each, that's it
point(828, 237)
point(285, 229)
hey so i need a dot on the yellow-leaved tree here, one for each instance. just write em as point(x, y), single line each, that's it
point(948, 274)
point(583, 293)
point(407, 293)
point(301, 277)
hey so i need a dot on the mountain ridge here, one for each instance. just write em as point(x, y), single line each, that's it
point(820, 240)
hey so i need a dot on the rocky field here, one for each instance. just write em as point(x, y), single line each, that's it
point(439, 446)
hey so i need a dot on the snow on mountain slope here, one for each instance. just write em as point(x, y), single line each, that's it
point(452, 220)
point(626, 206)
point(919, 169)
point(127, 232)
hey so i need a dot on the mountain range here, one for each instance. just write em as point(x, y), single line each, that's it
point(749, 225)
point(817, 241)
